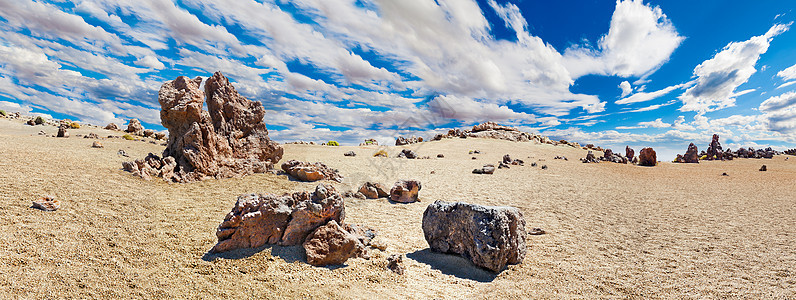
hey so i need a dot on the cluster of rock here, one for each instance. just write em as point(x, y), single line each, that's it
point(491, 237)
point(400, 141)
point(647, 156)
point(590, 158)
point(406, 153)
point(403, 191)
point(490, 130)
point(301, 143)
point(486, 169)
point(313, 219)
point(370, 142)
point(228, 140)
point(714, 152)
point(305, 171)
point(507, 161)
point(790, 152)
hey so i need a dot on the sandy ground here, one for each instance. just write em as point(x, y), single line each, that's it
point(613, 231)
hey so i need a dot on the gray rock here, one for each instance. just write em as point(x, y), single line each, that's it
point(490, 236)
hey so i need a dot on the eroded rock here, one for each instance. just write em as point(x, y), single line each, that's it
point(47, 203)
point(373, 190)
point(405, 191)
point(491, 237)
point(647, 157)
point(306, 171)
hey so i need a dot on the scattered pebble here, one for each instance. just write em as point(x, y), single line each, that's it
point(544, 167)
point(537, 231)
point(724, 174)
point(47, 203)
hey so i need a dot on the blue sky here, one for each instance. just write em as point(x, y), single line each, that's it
point(638, 73)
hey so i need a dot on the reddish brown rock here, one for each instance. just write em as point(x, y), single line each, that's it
point(714, 149)
point(647, 157)
point(306, 171)
point(629, 153)
point(112, 126)
point(691, 155)
point(331, 244)
point(47, 203)
point(62, 132)
point(96, 144)
point(230, 140)
point(262, 219)
point(135, 127)
point(373, 190)
point(405, 191)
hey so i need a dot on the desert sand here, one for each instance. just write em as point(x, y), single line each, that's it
point(613, 230)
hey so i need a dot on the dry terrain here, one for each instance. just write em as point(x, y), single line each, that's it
point(615, 231)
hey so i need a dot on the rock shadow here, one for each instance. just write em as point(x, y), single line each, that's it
point(452, 265)
point(288, 254)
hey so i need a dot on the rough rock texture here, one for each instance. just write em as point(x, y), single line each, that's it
point(262, 219)
point(691, 155)
point(97, 144)
point(508, 161)
point(647, 157)
point(714, 149)
point(486, 169)
point(149, 133)
point(91, 136)
point(405, 191)
point(135, 127)
point(350, 153)
point(491, 237)
point(590, 158)
point(400, 141)
point(47, 203)
point(112, 126)
point(228, 140)
point(395, 263)
point(492, 130)
point(629, 153)
point(331, 244)
point(373, 190)
point(62, 132)
point(491, 126)
point(306, 171)
point(407, 154)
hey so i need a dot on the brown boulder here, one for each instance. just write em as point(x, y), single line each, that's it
point(112, 126)
point(405, 191)
point(373, 190)
point(691, 155)
point(62, 132)
point(647, 157)
point(262, 219)
point(331, 244)
point(135, 127)
point(629, 153)
point(306, 171)
point(714, 149)
point(97, 144)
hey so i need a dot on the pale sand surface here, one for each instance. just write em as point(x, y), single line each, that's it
point(616, 231)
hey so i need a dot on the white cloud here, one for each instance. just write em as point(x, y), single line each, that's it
point(643, 97)
point(641, 38)
point(651, 107)
point(679, 124)
point(718, 77)
point(784, 101)
point(655, 124)
point(788, 73)
point(626, 88)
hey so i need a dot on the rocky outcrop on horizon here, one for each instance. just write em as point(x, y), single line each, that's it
point(228, 140)
point(400, 141)
point(647, 157)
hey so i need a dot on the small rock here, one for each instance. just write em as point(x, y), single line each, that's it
point(47, 203)
point(373, 190)
point(533, 164)
point(501, 165)
point(763, 168)
point(537, 231)
point(112, 126)
point(91, 136)
point(405, 191)
point(62, 132)
point(724, 174)
point(96, 144)
point(395, 263)
point(350, 153)
point(408, 154)
point(122, 153)
point(544, 167)
point(440, 155)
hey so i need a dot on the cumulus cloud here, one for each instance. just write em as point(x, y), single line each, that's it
point(647, 96)
point(641, 38)
point(718, 77)
point(626, 88)
point(655, 124)
point(788, 73)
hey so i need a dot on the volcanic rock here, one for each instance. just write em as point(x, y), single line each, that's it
point(395, 263)
point(490, 236)
point(691, 155)
point(647, 157)
point(112, 126)
point(306, 171)
point(331, 244)
point(96, 144)
point(405, 191)
point(47, 203)
point(763, 168)
point(135, 127)
point(91, 136)
point(373, 190)
point(400, 141)
point(629, 153)
point(507, 160)
point(62, 132)
point(714, 150)
point(590, 158)
point(486, 169)
point(286, 220)
point(228, 140)
point(350, 153)
point(407, 154)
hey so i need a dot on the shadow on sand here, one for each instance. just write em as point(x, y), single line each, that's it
point(287, 253)
point(452, 265)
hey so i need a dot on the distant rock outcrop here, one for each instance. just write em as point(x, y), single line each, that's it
point(714, 149)
point(112, 126)
point(629, 153)
point(691, 155)
point(492, 130)
point(400, 141)
point(491, 237)
point(228, 140)
point(647, 157)
point(135, 127)
point(306, 171)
